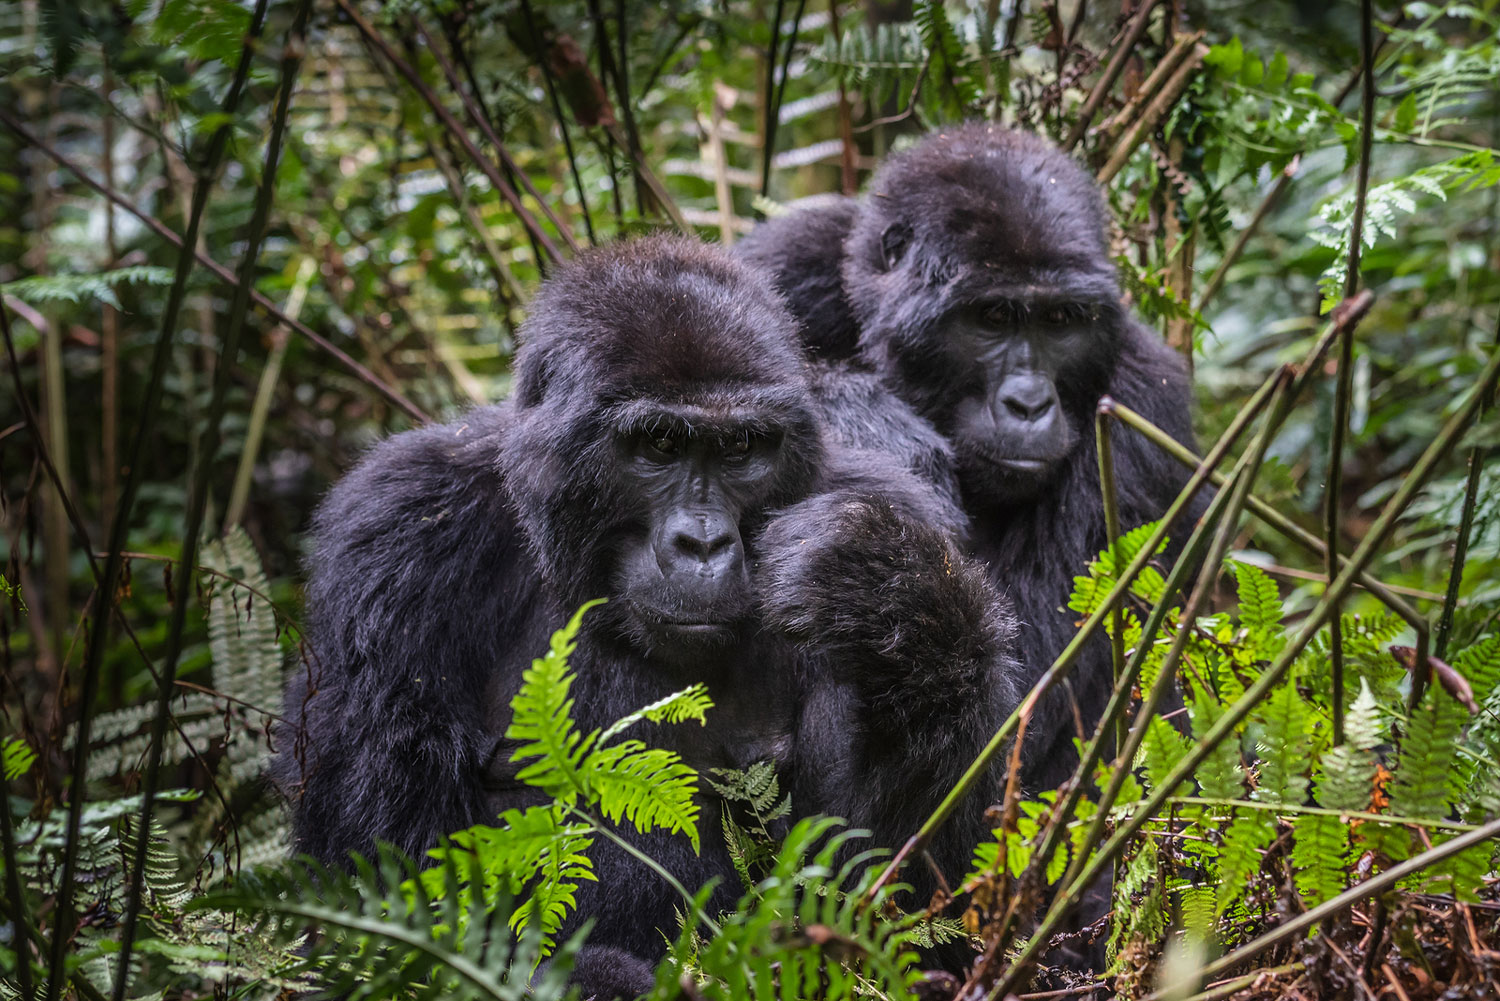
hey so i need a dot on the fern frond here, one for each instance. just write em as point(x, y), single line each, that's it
point(1245, 842)
point(1285, 745)
point(1090, 590)
point(651, 788)
point(16, 758)
point(1480, 665)
point(1220, 775)
point(1426, 783)
point(376, 943)
point(693, 702)
point(1260, 608)
point(1319, 854)
point(542, 719)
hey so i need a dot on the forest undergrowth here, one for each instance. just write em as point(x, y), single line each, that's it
point(239, 242)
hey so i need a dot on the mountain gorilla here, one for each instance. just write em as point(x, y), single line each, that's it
point(977, 273)
point(663, 448)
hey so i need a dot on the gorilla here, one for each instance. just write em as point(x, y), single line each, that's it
point(664, 448)
point(974, 282)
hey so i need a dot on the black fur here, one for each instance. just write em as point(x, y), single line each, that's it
point(970, 216)
point(875, 663)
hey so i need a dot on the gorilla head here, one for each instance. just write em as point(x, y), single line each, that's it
point(661, 407)
point(980, 275)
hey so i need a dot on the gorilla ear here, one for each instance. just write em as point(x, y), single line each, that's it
point(893, 243)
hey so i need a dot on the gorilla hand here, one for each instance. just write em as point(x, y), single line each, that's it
point(891, 601)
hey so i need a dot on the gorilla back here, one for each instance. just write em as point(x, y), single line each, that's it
point(663, 449)
point(977, 270)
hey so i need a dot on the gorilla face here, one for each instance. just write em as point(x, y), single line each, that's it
point(1011, 428)
point(683, 575)
point(662, 409)
point(980, 273)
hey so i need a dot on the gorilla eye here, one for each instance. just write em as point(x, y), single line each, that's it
point(661, 447)
point(1057, 315)
point(1004, 314)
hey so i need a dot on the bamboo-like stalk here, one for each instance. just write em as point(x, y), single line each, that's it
point(1461, 543)
point(1334, 483)
point(1452, 430)
point(562, 122)
point(1159, 106)
point(291, 63)
point(260, 409)
point(98, 640)
point(1104, 446)
point(1350, 313)
point(1112, 72)
point(1120, 698)
point(1272, 517)
point(1225, 512)
point(164, 231)
point(767, 103)
point(454, 127)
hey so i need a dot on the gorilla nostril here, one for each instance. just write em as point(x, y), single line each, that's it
point(1028, 408)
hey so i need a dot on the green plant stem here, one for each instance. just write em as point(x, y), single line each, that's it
point(1120, 698)
point(98, 641)
point(562, 122)
point(1292, 808)
point(1334, 484)
point(1105, 447)
point(1225, 514)
point(1232, 987)
point(652, 864)
point(19, 919)
point(1375, 884)
point(1064, 661)
point(1452, 430)
point(1272, 517)
point(260, 409)
point(1349, 313)
point(1461, 543)
point(291, 63)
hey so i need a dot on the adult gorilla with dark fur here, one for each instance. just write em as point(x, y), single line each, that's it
point(663, 449)
point(977, 275)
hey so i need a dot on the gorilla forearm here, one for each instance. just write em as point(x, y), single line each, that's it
point(915, 652)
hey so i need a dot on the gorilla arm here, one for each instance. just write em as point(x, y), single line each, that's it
point(412, 573)
point(912, 646)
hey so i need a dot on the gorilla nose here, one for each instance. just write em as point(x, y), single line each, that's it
point(702, 543)
point(1029, 401)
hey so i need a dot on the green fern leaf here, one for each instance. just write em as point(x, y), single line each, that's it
point(1220, 775)
point(383, 943)
point(1260, 609)
point(650, 788)
point(1285, 746)
point(692, 703)
point(1319, 854)
point(1426, 784)
point(1480, 665)
point(1245, 842)
point(542, 719)
point(1162, 748)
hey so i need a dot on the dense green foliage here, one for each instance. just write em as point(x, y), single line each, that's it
point(372, 214)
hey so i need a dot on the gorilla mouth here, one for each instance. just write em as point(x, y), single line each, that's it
point(1023, 465)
